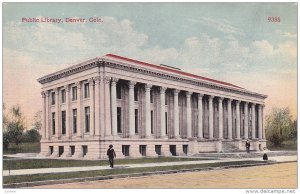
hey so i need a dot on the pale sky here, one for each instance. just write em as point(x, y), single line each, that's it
point(232, 42)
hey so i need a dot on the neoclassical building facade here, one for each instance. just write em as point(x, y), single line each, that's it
point(144, 110)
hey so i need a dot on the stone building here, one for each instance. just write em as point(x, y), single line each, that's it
point(144, 110)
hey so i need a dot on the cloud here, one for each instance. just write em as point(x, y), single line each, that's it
point(221, 25)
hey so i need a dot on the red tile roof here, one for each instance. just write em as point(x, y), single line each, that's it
point(171, 70)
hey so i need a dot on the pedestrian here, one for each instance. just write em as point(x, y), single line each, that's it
point(265, 156)
point(248, 146)
point(111, 155)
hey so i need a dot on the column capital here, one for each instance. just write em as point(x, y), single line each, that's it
point(200, 95)
point(176, 92)
point(131, 84)
point(148, 87)
point(67, 88)
point(107, 79)
point(246, 103)
point(253, 104)
point(43, 93)
point(189, 93)
point(91, 81)
point(78, 84)
point(211, 97)
point(229, 100)
point(114, 80)
point(163, 90)
point(56, 90)
point(220, 99)
point(97, 80)
point(237, 102)
point(47, 93)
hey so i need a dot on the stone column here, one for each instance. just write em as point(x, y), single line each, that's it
point(221, 118)
point(238, 120)
point(68, 115)
point(43, 115)
point(131, 109)
point(200, 119)
point(253, 121)
point(47, 124)
point(176, 114)
point(246, 120)
point(57, 111)
point(79, 110)
point(102, 106)
point(211, 117)
point(97, 106)
point(162, 113)
point(92, 106)
point(188, 114)
point(147, 111)
point(114, 106)
point(107, 106)
point(229, 118)
point(260, 121)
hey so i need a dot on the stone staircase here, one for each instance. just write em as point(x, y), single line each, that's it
point(243, 154)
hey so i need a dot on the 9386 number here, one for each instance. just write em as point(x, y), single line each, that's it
point(273, 19)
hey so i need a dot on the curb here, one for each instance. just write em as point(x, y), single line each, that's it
point(74, 180)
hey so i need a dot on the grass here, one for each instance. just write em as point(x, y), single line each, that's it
point(286, 145)
point(56, 163)
point(56, 176)
point(23, 148)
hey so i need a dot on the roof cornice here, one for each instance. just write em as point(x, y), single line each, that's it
point(161, 73)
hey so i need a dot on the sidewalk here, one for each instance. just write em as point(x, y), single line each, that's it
point(91, 168)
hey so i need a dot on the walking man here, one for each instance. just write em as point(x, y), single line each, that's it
point(111, 155)
point(248, 146)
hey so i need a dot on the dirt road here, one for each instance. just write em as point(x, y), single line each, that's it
point(270, 176)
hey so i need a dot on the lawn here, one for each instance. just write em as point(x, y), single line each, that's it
point(286, 145)
point(56, 176)
point(23, 148)
point(56, 163)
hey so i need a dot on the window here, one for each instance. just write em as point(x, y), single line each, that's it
point(74, 120)
point(87, 119)
point(86, 90)
point(51, 150)
point(158, 149)
point(185, 149)
point(151, 121)
point(53, 98)
point(119, 96)
point(63, 96)
point(136, 120)
point(166, 122)
point(60, 150)
point(53, 123)
point(125, 150)
point(84, 150)
point(135, 94)
point(151, 96)
point(119, 119)
point(72, 148)
point(143, 150)
point(173, 150)
point(74, 93)
point(63, 122)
